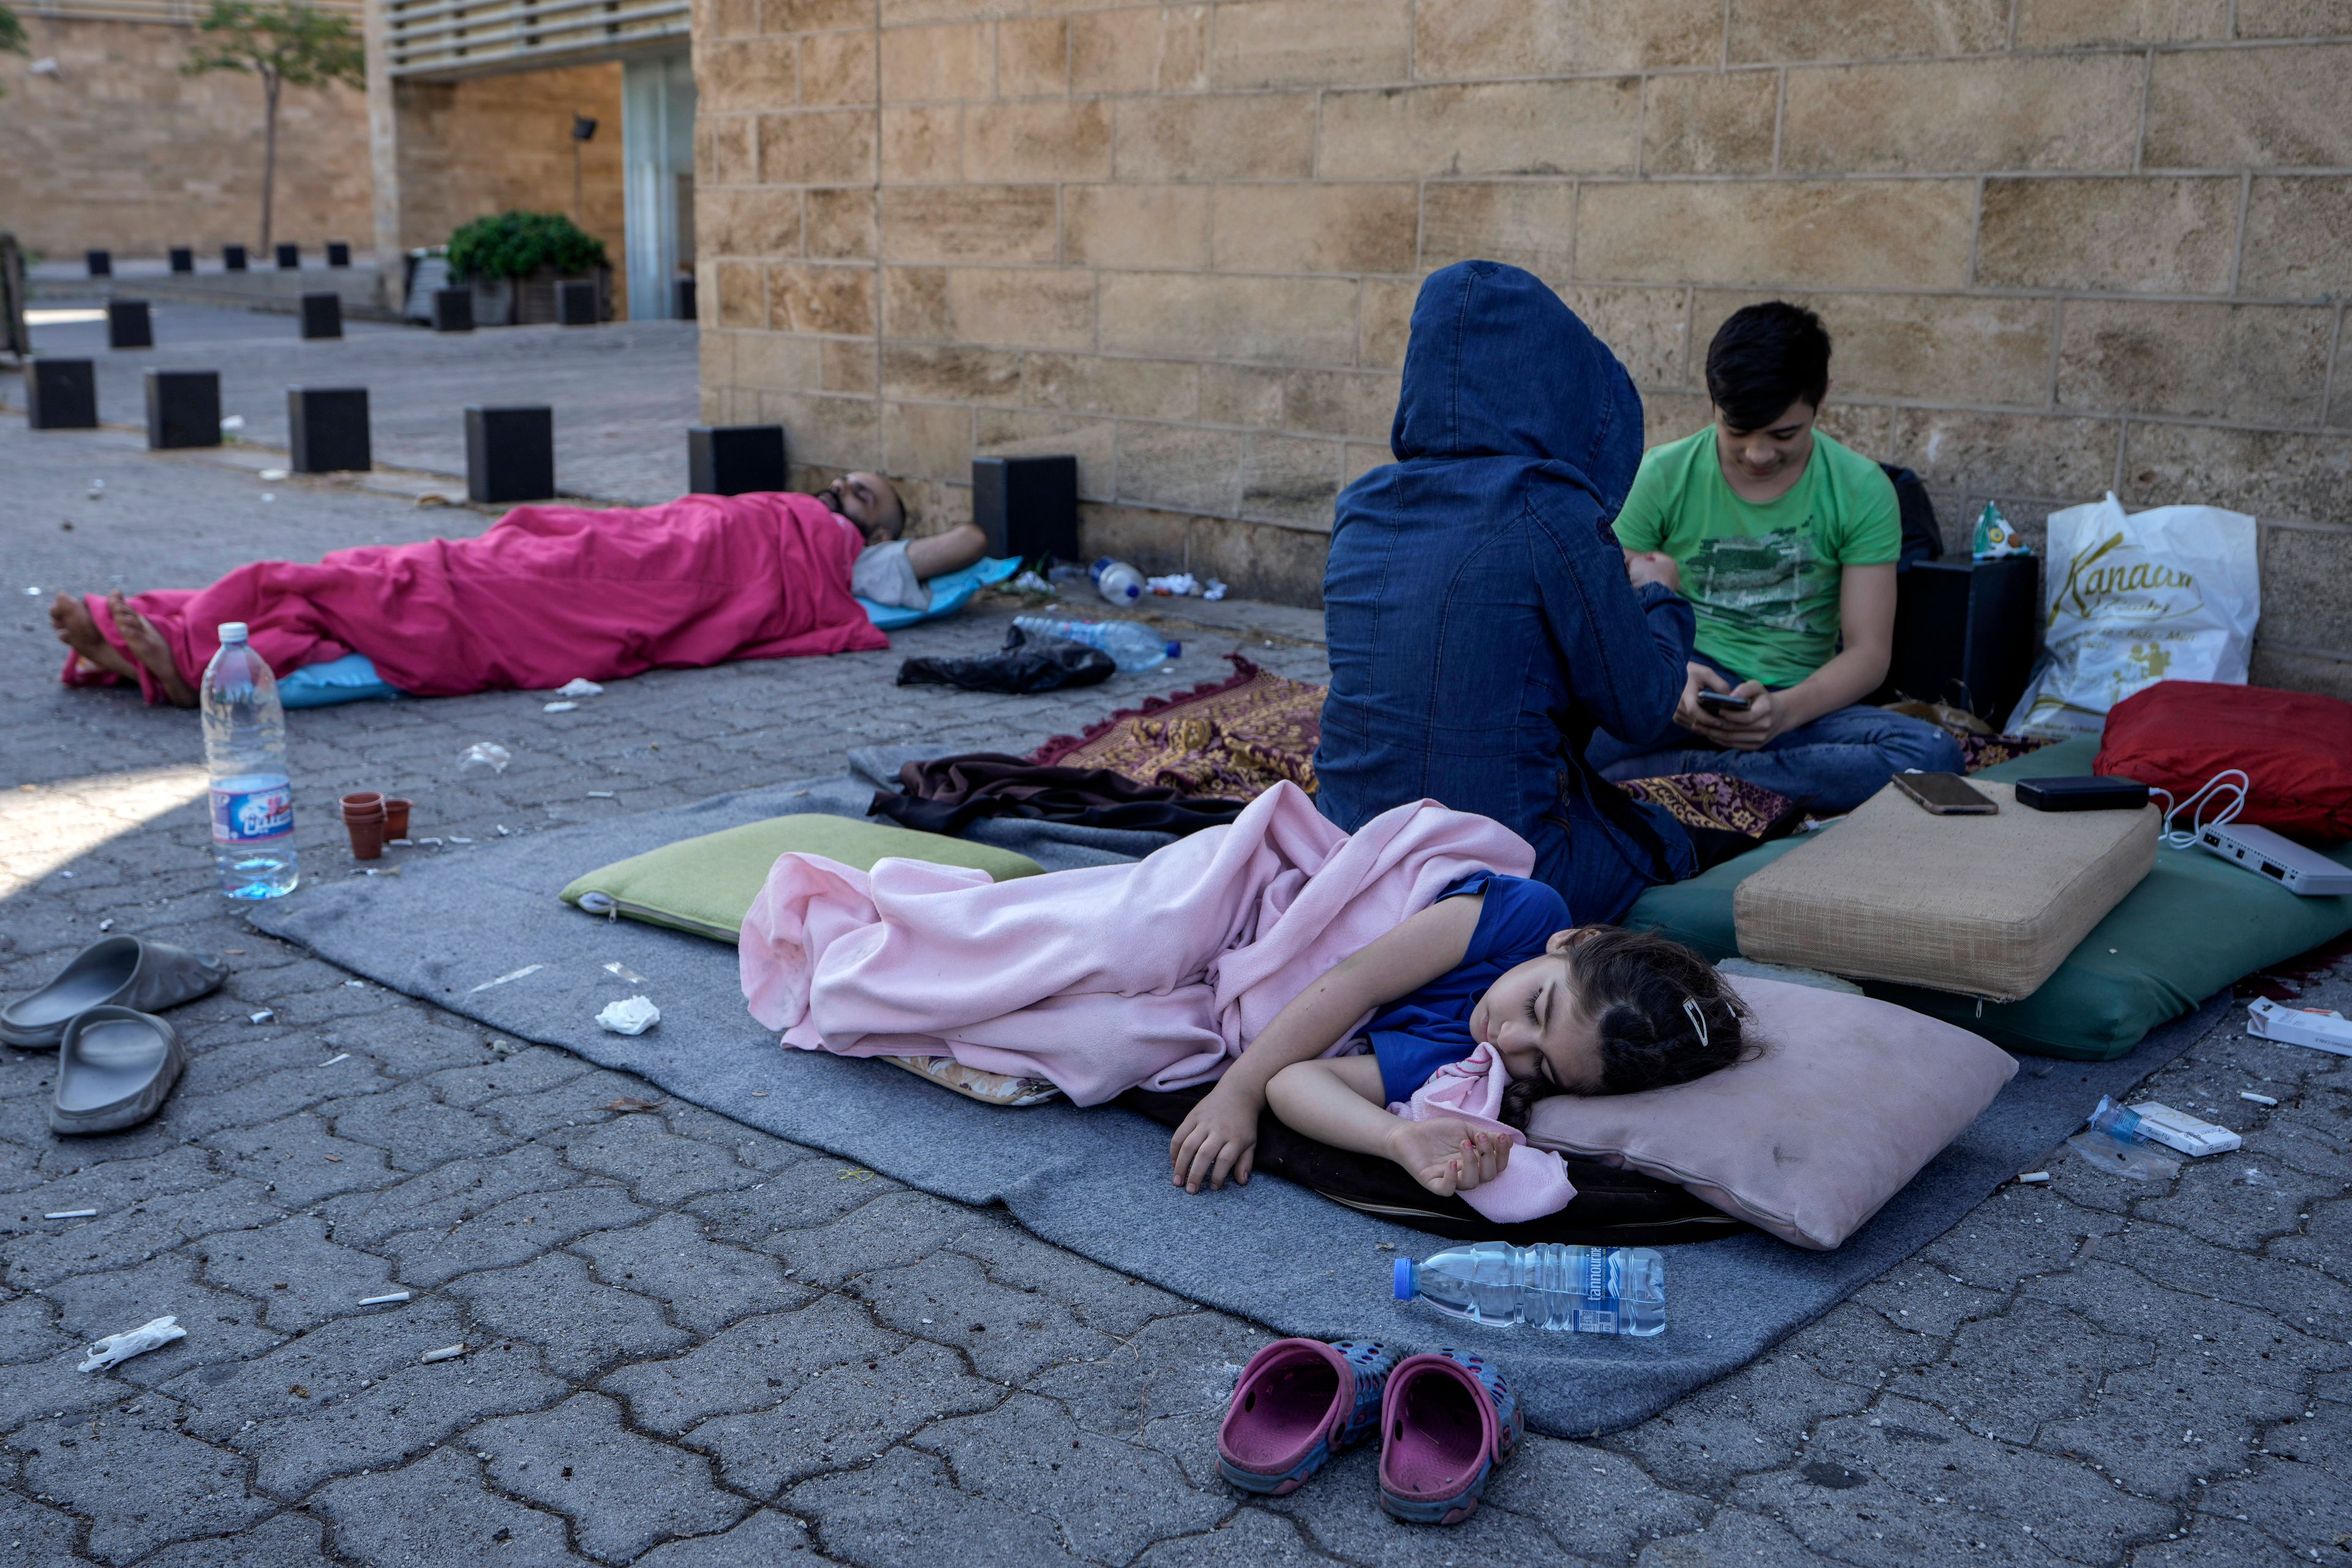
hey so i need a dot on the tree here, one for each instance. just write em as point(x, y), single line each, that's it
point(288, 43)
point(12, 38)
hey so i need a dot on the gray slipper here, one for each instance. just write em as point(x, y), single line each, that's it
point(114, 1068)
point(114, 971)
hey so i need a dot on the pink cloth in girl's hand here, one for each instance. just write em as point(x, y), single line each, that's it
point(1535, 1182)
point(546, 593)
point(1107, 977)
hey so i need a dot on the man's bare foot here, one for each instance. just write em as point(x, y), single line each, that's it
point(78, 629)
point(147, 646)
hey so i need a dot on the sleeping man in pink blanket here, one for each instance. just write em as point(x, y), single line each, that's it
point(546, 593)
point(1403, 991)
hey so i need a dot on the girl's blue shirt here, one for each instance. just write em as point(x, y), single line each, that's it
point(1415, 1034)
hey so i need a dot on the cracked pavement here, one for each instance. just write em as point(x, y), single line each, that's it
point(693, 1345)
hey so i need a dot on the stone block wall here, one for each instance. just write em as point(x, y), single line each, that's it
point(2065, 245)
point(118, 151)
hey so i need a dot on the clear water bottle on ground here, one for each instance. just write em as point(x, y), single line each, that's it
point(1116, 581)
point(1589, 1289)
point(1131, 646)
point(253, 794)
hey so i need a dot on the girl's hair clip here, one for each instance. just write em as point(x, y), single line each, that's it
point(1697, 1018)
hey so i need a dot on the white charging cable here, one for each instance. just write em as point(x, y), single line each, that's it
point(2225, 799)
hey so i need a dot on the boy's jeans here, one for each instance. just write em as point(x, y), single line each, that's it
point(1828, 767)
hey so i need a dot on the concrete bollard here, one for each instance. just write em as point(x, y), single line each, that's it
point(61, 393)
point(338, 253)
point(1027, 505)
point(328, 429)
point(322, 315)
point(183, 409)
point(681, 300)
point(734, 459)
point(453, 310)
point(289, 256)
point(509, 454)
point(575, 303)
point(233, 258)
point(128, 325)
point(100, 262)
point(184, 259)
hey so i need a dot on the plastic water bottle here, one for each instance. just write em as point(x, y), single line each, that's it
point(1131, 646)
point(253, 794)
point(1116, 581)
point(1591, 1290)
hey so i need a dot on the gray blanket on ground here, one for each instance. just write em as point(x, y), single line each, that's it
point(1096, 1180)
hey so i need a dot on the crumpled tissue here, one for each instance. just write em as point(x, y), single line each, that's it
point(130, 1342)
point(631, 1015)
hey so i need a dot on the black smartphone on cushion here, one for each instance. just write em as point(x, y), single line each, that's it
point(1945, 795)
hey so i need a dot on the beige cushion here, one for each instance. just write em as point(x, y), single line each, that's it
point(1986, 906)
point(1807, 1140)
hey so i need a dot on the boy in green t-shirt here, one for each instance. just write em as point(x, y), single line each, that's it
point(1784, 542)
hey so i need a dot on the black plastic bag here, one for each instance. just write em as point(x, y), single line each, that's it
point(1045, 664)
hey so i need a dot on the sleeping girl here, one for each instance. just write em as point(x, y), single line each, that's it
point(1259, 955)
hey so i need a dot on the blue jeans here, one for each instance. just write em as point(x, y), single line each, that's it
point(1828, 767)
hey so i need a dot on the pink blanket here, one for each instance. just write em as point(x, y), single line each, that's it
point(547, 593)
point(1105, 978)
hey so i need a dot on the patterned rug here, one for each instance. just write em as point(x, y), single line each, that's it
point(1235, 738)
point(1719, 802)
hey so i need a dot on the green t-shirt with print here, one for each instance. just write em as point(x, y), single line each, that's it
point(1763, 580)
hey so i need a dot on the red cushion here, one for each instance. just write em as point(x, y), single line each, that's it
point(2295, 747)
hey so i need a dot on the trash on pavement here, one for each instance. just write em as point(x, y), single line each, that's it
point(385, 1300)
point(1179, 585)
point(630, 1015)
point(2035, 1178)
point(1213, 591)
point(2114, 1141)
point(629, 1102)
point(262, 1016)
point(115, 1349)
point(72, 1214)
point(2257, 1099)
point(447, 1352)
point(625, 973)
point(510, 974)
point(2323, 1029)
point(2179, 1130)
point(485, 754)
point(579, 685)
point(274, 475)
point(559, 707)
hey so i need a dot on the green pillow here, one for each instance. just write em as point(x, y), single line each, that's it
point(705, 885)
point(2191, 927)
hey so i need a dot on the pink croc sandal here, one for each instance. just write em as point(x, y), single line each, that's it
point(1299, 1401)
point(1446, 1422)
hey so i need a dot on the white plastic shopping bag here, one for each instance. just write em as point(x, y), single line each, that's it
point(2169, 594)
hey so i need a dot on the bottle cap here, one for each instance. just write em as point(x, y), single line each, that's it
point(232, 631)
point(1175, 650)
point(1404, 1278)
point(1134, 591)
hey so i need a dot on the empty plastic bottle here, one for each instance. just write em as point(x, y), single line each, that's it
point(1131, 646)
point(253, 794)
point(1116, 581)
point(1589, 1289)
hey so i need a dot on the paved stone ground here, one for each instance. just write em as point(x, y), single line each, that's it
point(698, 1347)
point(612, 388)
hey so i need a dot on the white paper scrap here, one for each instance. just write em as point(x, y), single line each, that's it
point(579, 685)
point(511, 974)
point(631, 1015)
point(121, 1347)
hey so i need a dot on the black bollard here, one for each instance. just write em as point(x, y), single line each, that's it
point(681, 300)
point(101, 263)
point(183, 258)
point(734, 459)
point(233, 258)
point(575, 301)
point(338, 253)
point(322, 315)
point(61, 393)
point(183, 409)
point(289, 256)
point(328, 428)
point(509, 454)
point(128, 325)
point(1027, 505)
point(453, 310)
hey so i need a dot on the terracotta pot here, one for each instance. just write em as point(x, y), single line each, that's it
point(395, 818)
point(362, 813)
point(365, 801)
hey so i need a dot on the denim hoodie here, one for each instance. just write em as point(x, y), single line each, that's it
point(1480, 623)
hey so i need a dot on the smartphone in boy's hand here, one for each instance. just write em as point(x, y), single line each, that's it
point(1722, 702)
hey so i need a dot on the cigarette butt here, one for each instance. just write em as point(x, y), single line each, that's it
point(380, 1300)
point(447, 1352)
point(2257, 1099)
point(338, 1057)
point(2034, 1178)
point(72, 1214)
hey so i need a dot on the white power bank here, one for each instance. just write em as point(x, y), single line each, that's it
point(2282, 859)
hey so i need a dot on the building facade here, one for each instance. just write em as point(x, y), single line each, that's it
point(2065, 245)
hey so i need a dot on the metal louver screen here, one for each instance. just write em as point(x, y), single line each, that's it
point(451, 38)
point(181, 12)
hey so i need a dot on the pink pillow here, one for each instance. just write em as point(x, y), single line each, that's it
point(1847, 1100)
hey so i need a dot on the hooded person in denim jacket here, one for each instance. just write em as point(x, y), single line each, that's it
point(1480, 617)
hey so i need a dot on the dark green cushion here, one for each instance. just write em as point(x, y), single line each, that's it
point(705, 885)
point(2191, 927)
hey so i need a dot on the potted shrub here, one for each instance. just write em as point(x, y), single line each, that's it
point(515, 260)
